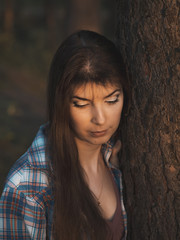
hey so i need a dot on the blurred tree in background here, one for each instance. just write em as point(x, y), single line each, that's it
point(84, 15)
point(30, 32)
point(8, 16)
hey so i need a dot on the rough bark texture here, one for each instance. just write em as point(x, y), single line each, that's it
point(148, 35)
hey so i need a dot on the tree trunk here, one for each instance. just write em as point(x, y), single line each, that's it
point(148, 35)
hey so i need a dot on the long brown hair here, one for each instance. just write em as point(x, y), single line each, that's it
point(76, 214)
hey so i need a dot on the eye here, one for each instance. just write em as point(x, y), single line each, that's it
point(79, 104)
point(113, 100)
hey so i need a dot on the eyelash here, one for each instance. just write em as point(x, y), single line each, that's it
point(75, 104)
point(113, 101)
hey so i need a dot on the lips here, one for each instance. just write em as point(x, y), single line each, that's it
point(98, 133)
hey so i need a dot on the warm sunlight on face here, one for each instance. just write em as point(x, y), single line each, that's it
point(96, 112)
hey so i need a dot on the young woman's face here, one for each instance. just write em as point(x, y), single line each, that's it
point(96, 112)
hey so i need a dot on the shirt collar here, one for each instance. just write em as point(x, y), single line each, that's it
point(107, 151)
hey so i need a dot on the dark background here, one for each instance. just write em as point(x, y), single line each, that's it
point(30, 32)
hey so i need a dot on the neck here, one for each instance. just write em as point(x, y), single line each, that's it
point(89, 156)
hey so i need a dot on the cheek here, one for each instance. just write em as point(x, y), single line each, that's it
point(74, 122)
point(78, 121)
point(117, 113)
point(116, 118)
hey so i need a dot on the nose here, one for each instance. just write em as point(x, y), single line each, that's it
point(98, 115)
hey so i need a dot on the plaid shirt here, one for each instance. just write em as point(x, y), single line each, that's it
point(26, 204)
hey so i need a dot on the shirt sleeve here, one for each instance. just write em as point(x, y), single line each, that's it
point(21, 217)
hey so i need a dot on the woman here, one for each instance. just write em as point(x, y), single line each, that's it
point(66, 186)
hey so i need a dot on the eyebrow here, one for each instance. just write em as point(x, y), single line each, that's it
point(109, 95)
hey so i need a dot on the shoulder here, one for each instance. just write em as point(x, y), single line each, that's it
point(26, 202)
point(26, 178)
point(29, 176)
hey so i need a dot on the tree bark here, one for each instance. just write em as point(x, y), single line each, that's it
point(148, 35)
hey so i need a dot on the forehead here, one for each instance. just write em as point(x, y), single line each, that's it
point(93, 90)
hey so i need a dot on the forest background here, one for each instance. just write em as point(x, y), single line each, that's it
point(148, 36)
point(30, 32)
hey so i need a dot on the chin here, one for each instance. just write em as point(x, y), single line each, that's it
point(96, 140)
point(100, 141)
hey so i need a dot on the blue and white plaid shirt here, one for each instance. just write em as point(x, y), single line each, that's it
point(26, 204)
